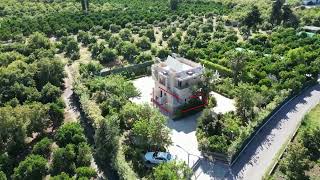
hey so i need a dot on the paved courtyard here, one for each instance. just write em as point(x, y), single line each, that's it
point(183, 133)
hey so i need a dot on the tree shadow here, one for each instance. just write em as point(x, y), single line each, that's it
point(265, 137)
point(89, 131)
point(213, 169)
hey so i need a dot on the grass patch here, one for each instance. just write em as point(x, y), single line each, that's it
point(311, 120)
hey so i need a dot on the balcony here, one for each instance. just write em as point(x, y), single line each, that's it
point(182, 85)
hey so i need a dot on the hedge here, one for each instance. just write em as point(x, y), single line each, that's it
point(192, 103)
point(120, 164)
point(93, 114)
point(226, 72)
point(131, 71)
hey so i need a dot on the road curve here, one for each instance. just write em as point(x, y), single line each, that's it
point(257, 156)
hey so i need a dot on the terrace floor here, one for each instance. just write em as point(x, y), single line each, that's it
point(183, 134)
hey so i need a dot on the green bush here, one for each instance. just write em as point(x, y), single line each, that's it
point(107, 56)
point(194, 102)
point(143, 57)
point(163, 53)
point(62, 176)
point(221, 69)
point(43, 147)
point(3, 176)
point(33, 167)
point(63, 160)
point(87, 172)
point(70, 133)
point(122, 166)
point(144, 43)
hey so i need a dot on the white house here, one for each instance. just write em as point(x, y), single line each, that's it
point(311, 29)
point(174, 79)
point(310, 2)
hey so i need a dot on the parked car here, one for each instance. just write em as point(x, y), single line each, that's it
point(157, 157)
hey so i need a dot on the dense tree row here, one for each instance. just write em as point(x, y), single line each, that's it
point(31, 111)
point(72, 19)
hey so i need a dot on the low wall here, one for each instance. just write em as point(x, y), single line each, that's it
point(217, 156)
point(130, 71)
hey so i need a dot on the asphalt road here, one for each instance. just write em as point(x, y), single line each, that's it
point(257, 156)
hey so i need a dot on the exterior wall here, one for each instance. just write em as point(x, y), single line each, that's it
point(167, 91)
point(307, 2)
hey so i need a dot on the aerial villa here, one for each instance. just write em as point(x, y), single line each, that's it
point(174, 81)
point(312, 29)
point(310, 2)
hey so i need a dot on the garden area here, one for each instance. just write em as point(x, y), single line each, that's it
point(261, 61)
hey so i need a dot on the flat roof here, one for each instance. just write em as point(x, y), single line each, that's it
point(176, 65)
point(312, 28)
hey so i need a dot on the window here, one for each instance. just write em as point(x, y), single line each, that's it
point(179, 83)
point(162, 80)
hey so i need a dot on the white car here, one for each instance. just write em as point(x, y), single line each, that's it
point(157, 157)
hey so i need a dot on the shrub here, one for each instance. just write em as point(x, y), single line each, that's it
point(33, 167)
point(50, 93)
point(143, 57)
point(221, 69)
point(144, 43)
point(184, 111)
point(114, 28)
point(166, 33)
point(86, 38)
point(129, 51)
point(173, 43)
point(70, 133)
point(87, 172)
point(114, 41)
point(172, 170)
point(62, 176)
point(150, 34)
point(163, 53)
point(63, 160)
point(125, 34)
point(105, 35)
point(43, 147)
point(72, 49)
point(39, 40)
point(107, 56)
point(3, 176)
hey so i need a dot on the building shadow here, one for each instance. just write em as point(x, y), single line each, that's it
point(186, 125)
